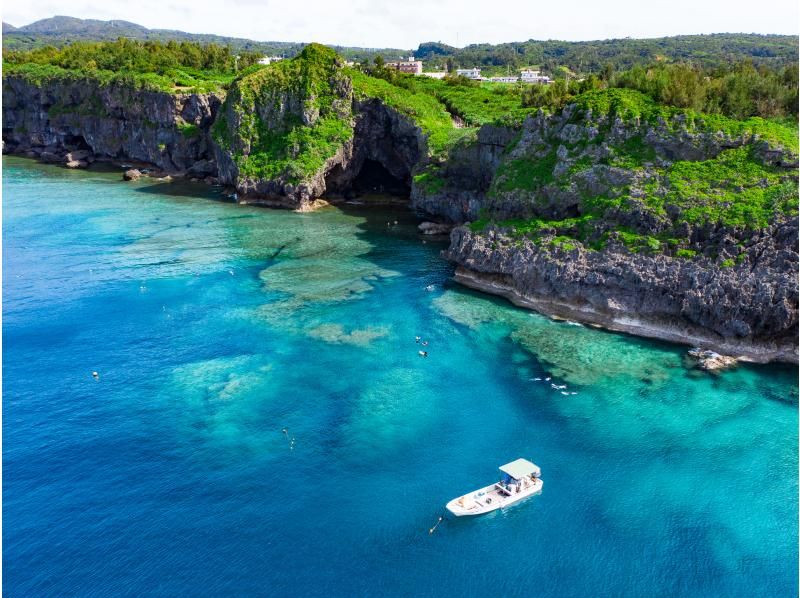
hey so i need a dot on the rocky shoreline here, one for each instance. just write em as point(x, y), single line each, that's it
point(629, 325)
point(649, 297)
point(737, 294)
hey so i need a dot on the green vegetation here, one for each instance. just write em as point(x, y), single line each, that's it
point(284, 145)
point(428, 113)
point(189, 130)
point(608, 56)
point(735, 189)
point(738, 188)
point(171, 66)
point(284, 121)
point(524, 174)
point(474, 102)
point(430, 182)
point(738, 91)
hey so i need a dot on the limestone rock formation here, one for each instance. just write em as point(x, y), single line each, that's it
point(70, 120)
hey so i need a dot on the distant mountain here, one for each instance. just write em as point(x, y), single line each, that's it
point(61, 25)
point(60, 30)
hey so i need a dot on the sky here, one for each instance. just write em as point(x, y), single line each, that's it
point(404, 24)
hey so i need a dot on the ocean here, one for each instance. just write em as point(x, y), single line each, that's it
point(262, 422)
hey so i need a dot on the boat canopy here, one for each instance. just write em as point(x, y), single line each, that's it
point(521, 468)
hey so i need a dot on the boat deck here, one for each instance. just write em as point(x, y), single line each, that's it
point(493, 497)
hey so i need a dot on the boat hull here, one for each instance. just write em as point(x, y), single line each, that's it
point(491, 498)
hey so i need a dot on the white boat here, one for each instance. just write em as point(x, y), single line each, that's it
point(522, 479)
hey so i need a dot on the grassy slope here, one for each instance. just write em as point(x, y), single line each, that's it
point(735, 189)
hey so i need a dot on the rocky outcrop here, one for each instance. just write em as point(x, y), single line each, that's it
point(288, 135)
point(77, 121)
point(465, 178)
point(748, 311)
point(711, 361)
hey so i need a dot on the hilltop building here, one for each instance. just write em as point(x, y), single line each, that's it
point(411, 66)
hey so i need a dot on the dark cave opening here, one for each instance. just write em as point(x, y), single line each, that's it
point(372, 179)
point(76, 142)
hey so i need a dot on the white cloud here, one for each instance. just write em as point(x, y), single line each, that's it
point(384, 23)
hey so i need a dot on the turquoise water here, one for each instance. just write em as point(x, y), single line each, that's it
point(214, 326)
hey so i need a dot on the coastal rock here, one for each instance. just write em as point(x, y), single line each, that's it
point(76, 164)
point(80, 120)
point(711, 360)
point(750, 310)
point(434, 228)
point(131, 175)
point(78, 156)
point(51, 157)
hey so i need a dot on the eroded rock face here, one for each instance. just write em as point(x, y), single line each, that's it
point(468, 175)
point(570, 146)
point(380, 134)
point(83, 118)
point(749, 310)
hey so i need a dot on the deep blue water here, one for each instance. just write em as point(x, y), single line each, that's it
point(214, 326)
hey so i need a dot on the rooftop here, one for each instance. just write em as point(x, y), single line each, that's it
point(520, 468)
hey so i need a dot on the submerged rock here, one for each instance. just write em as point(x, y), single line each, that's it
point(131, 175)
point(711, 360)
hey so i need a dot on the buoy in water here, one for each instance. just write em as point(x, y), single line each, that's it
point(433, 529)
point(95, 375)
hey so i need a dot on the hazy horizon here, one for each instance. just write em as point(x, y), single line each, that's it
point(384, 24)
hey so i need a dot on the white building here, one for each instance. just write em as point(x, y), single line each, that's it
point(504, 79)
point(469, 73)
point(435, 74)
point(269, 59)
point(531, 76)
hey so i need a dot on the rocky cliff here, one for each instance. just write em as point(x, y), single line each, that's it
point(748, 311)
point(657, 223)
point(613, 210)
point(60, 119)
point(290, 134)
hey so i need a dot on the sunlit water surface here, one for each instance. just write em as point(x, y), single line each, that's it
point(215, 326)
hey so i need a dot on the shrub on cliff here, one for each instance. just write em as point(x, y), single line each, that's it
point(285, 121)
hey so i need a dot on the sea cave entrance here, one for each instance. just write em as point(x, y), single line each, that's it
point(372, 178)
